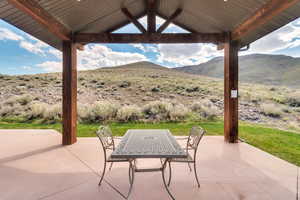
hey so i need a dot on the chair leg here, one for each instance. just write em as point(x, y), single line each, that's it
point(129, 173)
point(161, 161)
point(196, 176)
point(111, 164)
point(170, 174)
point(103, 172)
point(190, 167)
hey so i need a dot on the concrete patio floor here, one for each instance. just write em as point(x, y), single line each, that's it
point(34, 165)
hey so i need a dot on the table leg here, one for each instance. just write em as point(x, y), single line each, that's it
point(131, 177)
point(164, 180)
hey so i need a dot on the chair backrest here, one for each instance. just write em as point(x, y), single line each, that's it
point(106, 137)
point(196, 134)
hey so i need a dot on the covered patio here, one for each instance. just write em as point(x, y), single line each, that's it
point(34, 165)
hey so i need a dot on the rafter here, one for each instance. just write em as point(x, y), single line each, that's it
point(39, 14)
point(131, 18)
point(271, 9)
point(122, 24)
point(177, 12)
point(177, 23)
point(149, 38)
point(151, 15)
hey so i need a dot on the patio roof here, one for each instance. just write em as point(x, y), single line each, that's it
point(200, 16)
point(34, 165)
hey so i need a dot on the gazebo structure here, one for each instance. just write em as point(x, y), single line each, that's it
point(68, 25)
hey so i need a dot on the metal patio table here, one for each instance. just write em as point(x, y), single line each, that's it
point(146, 143)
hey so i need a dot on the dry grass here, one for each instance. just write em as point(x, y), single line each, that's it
point(129, 113)
point(205, 108)
point(271, 110)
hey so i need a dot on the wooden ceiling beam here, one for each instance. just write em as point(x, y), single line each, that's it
point(131, 18)
point(271, 9)
point(177, 24)
point(150, 38)
point(151, 15)
point(177, 12)
point(118, 26)
point(39, 14)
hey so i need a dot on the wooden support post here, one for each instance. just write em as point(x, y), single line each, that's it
point(69, 93)
point(231, 91)
point(151, 15)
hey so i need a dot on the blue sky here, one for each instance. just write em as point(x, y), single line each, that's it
point(24, 54)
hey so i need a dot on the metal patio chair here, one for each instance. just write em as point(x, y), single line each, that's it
point(108, 143)
point(193, 140)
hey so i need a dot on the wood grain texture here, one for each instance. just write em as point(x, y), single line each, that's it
point(231, 116)
point(33, 9)
point(151, 15)
point(271, 9)
point(124, 23)
point(133, 20)
point(69, 93)
point(169, 20)
point(150, 38)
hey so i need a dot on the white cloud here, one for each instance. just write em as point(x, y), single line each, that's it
point(55, 52)
point(28, 42)
point(36, 48)
point(139, 46)
point(281, 39)
point(27, 67)
point(186, 54)
point(146, 47)
point(297, 22)
point(95, 56)
point(6, 34)
point(51, 66)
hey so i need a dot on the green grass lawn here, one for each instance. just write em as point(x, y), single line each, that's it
point(283, 144)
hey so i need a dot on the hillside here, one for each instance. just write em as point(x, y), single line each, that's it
point(256, 68)
point(147, 88)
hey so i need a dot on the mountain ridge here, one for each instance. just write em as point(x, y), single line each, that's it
point(278, 70)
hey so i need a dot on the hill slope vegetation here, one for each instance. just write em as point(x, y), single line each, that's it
point(145, 91)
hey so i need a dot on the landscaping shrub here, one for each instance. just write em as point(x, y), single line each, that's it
point(84, 113)
point(157, 110)
point(22, 100)
point(129, 113)
point(103, 111)
point(6, 110)
point(178, 112)
point(38, 110)
point(53, 113)
point(271, 110)
point(205, 108)
point(293, 100)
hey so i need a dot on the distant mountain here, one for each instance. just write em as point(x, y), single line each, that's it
point(256, 68)
point(139, 65)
